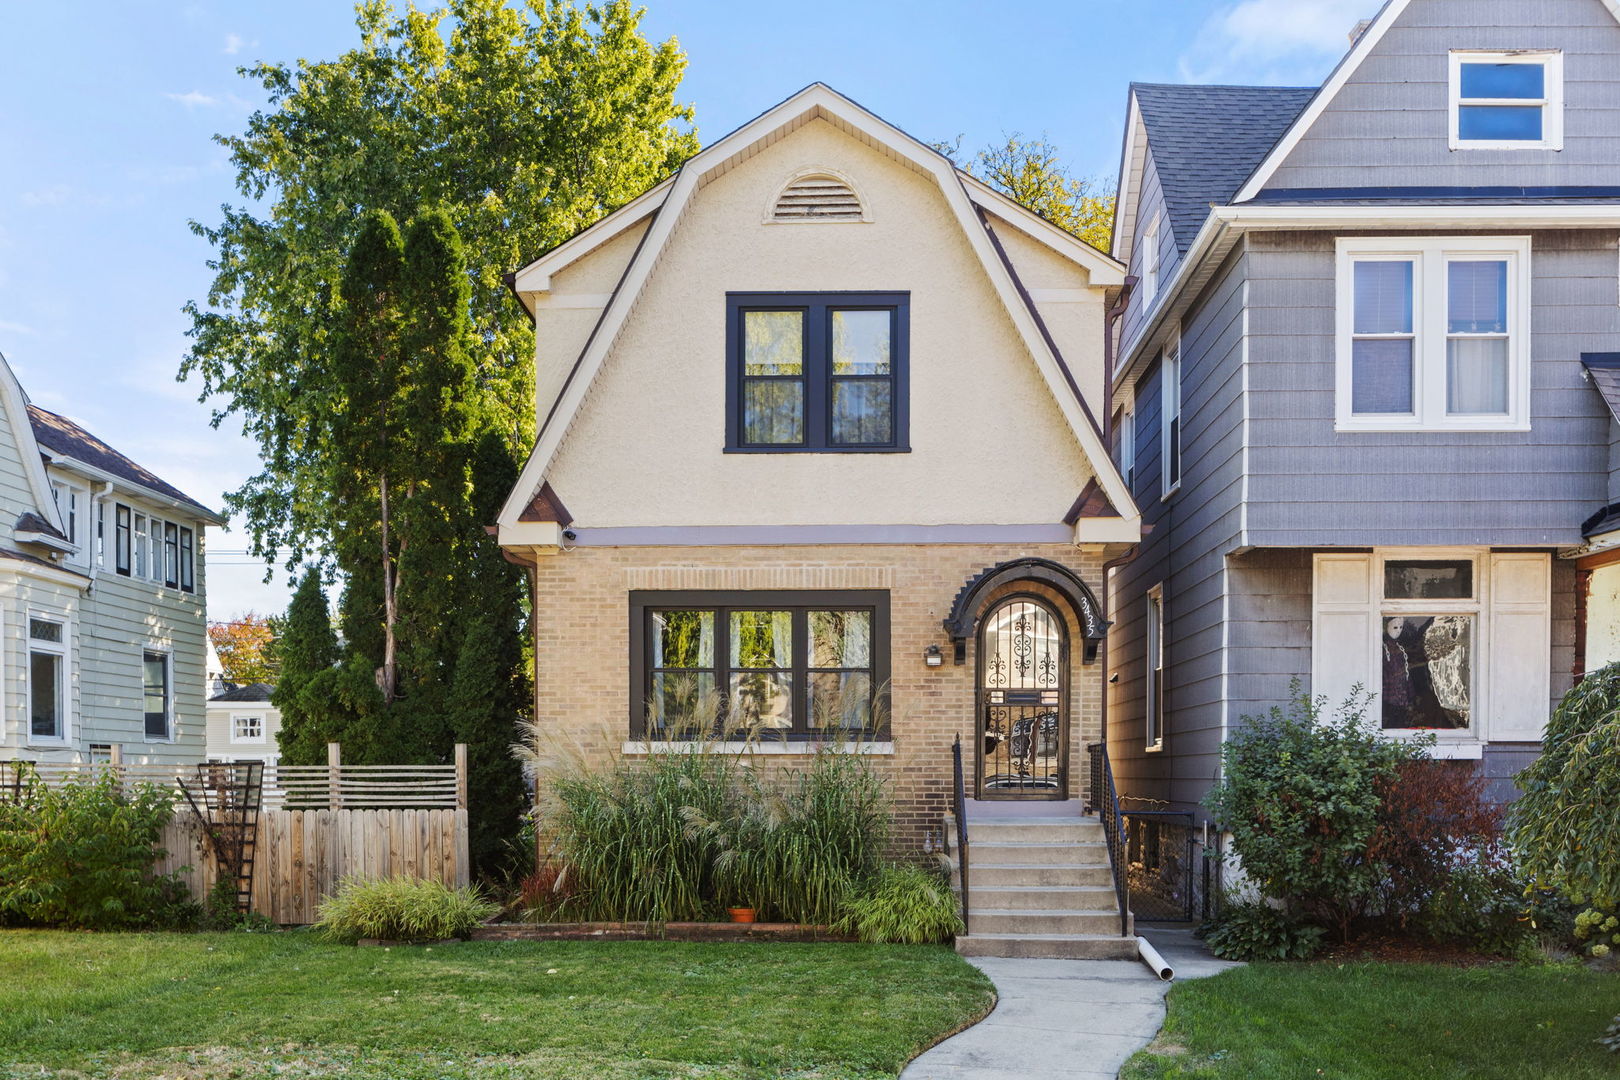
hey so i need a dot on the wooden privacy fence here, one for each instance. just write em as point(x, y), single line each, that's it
point(319, 824)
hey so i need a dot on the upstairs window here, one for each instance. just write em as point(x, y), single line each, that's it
point(1433, 333)
point(820, 372)
point(1150, 262)
point(247, 728)
point(1170, 421)
point(1507, 101)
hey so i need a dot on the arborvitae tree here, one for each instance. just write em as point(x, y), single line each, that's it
point(308, 649)
point(489, 692)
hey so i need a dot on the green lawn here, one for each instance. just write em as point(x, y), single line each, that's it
point(1369, 1021)
point(285, 1005)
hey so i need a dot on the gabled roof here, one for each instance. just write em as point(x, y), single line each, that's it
point(59, 435)
point(14, 403)
point(665, 204)
point(252, 692)
point(1207, 140)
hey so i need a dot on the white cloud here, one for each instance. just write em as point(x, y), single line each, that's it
point(17, 328)
point(192, 99)
point(1274, 41)
point(233, 44)
point(55, 195)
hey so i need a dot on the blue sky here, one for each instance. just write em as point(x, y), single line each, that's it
point(106, 113)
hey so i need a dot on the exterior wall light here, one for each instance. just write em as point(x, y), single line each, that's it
point(932, 656)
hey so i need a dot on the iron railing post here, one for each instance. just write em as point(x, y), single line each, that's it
point(960, 798)
point(1113, 823)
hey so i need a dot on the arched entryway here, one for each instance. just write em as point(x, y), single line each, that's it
point(1022, 727)
point(1030, 620)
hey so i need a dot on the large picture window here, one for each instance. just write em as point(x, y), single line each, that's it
point(793, 665)
point(1433, 333)
point(816, 371)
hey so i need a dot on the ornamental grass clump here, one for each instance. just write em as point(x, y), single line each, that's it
point(904, 905)
point(401, 909)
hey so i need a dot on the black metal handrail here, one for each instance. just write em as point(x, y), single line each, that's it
point(960, 796)
point(1105, 801)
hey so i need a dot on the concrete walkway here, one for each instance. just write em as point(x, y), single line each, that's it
point(1076, 1019)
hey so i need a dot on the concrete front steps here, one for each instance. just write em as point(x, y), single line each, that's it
point(1039, 886)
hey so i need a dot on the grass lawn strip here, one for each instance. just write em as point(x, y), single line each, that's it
point(150, 1005)
point(1374, 1021)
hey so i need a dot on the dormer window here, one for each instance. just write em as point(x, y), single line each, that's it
point(1507, 101)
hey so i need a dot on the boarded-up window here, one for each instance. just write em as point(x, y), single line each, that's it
point(817, 198)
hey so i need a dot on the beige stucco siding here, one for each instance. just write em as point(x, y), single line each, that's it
point(565, 317)
point(988, 443)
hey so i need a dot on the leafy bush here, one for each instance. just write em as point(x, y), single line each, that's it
point(1301, 793)
point(1261, 932)
point(80, 855)
point(1435, 822)
point(1480, 904)
point(401, 909)
point(544, 893)
point(219, 911)
point(906, 905)
point(675, 836)
point(1564, 829)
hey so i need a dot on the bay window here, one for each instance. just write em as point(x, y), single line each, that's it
point(1433, 333)
point(788, 665)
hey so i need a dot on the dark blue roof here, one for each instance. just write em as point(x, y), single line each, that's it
point(1207, 140)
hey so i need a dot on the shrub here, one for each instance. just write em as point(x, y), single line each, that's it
point(1250, 931)
point(906, 905)
point(1434, 823)
point(401, 909)
point(544, 893)
point(1564, 829)
point(1479, 904)
point(80, 855)
point(219, 911)
point(676, 836)
point(1301, 792)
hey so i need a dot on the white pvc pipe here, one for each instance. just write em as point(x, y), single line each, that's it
point(1150, 956)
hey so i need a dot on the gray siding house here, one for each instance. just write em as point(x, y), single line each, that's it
point(102, 597)
point(1354, 392)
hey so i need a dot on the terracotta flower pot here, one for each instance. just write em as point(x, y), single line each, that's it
point(741, 914)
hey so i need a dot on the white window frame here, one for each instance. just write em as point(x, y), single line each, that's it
point(1149, 285)
point(169, 689)
point(1476, 606)
point(1127, 443)
point(1153, 671)
point(247, 740)
point(63, 650)
point(1170, 411)
point(73, 507)
point(1429, 256)
point(1551, 103)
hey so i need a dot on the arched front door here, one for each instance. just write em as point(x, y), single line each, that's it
point(1023, 724)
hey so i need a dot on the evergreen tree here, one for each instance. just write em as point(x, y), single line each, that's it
point(308, 649)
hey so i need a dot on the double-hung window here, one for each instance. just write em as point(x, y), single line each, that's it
point(247, 728)
point(157, 694)
point(786, 665)
point(47, 678)
point(1433, 333)
point(1127, 446)
point(121, 539)
point(1507, 100)
point(1149, 287)
point(1153, 695)
point(1170, 418)
point(821, 372)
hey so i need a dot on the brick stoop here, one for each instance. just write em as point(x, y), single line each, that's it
point(1040, 885)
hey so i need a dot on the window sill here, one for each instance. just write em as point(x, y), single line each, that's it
point(818, 450)
point(1154, 748)
point(1471, 750)
point(883, 747)
point(1460, 428)
point(1170, 494)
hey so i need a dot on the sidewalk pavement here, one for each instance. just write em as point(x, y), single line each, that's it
point(1076, 1019)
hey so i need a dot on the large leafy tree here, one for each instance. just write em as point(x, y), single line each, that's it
point(524, 124)
point(246, 646)
point(1033, 172)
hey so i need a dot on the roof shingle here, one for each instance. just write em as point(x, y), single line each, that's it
point(1207, 140)
point(58, 433)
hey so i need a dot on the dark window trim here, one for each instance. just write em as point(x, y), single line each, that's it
point(817, 374)
point(167, 729)
point(121, 539)
point(642, 602)
point(188, 561)
point(171, 555)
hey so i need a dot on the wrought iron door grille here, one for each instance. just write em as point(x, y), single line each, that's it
point(1021, 721)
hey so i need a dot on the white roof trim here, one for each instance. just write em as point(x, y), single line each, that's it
point(1130, 181)
point(1318, 104)
point(815, 98)
point(536, 277)
point(1442, 216)
point(15, 403)
point(1103, 268)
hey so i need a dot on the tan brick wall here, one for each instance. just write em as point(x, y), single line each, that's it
point(581, 627)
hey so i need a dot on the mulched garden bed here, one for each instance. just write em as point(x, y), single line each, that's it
point(1393, 949)
point(684, 931)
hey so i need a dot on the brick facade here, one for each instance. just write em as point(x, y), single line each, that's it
point(581, 627)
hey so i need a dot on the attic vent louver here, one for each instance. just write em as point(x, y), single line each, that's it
point(818, 198)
